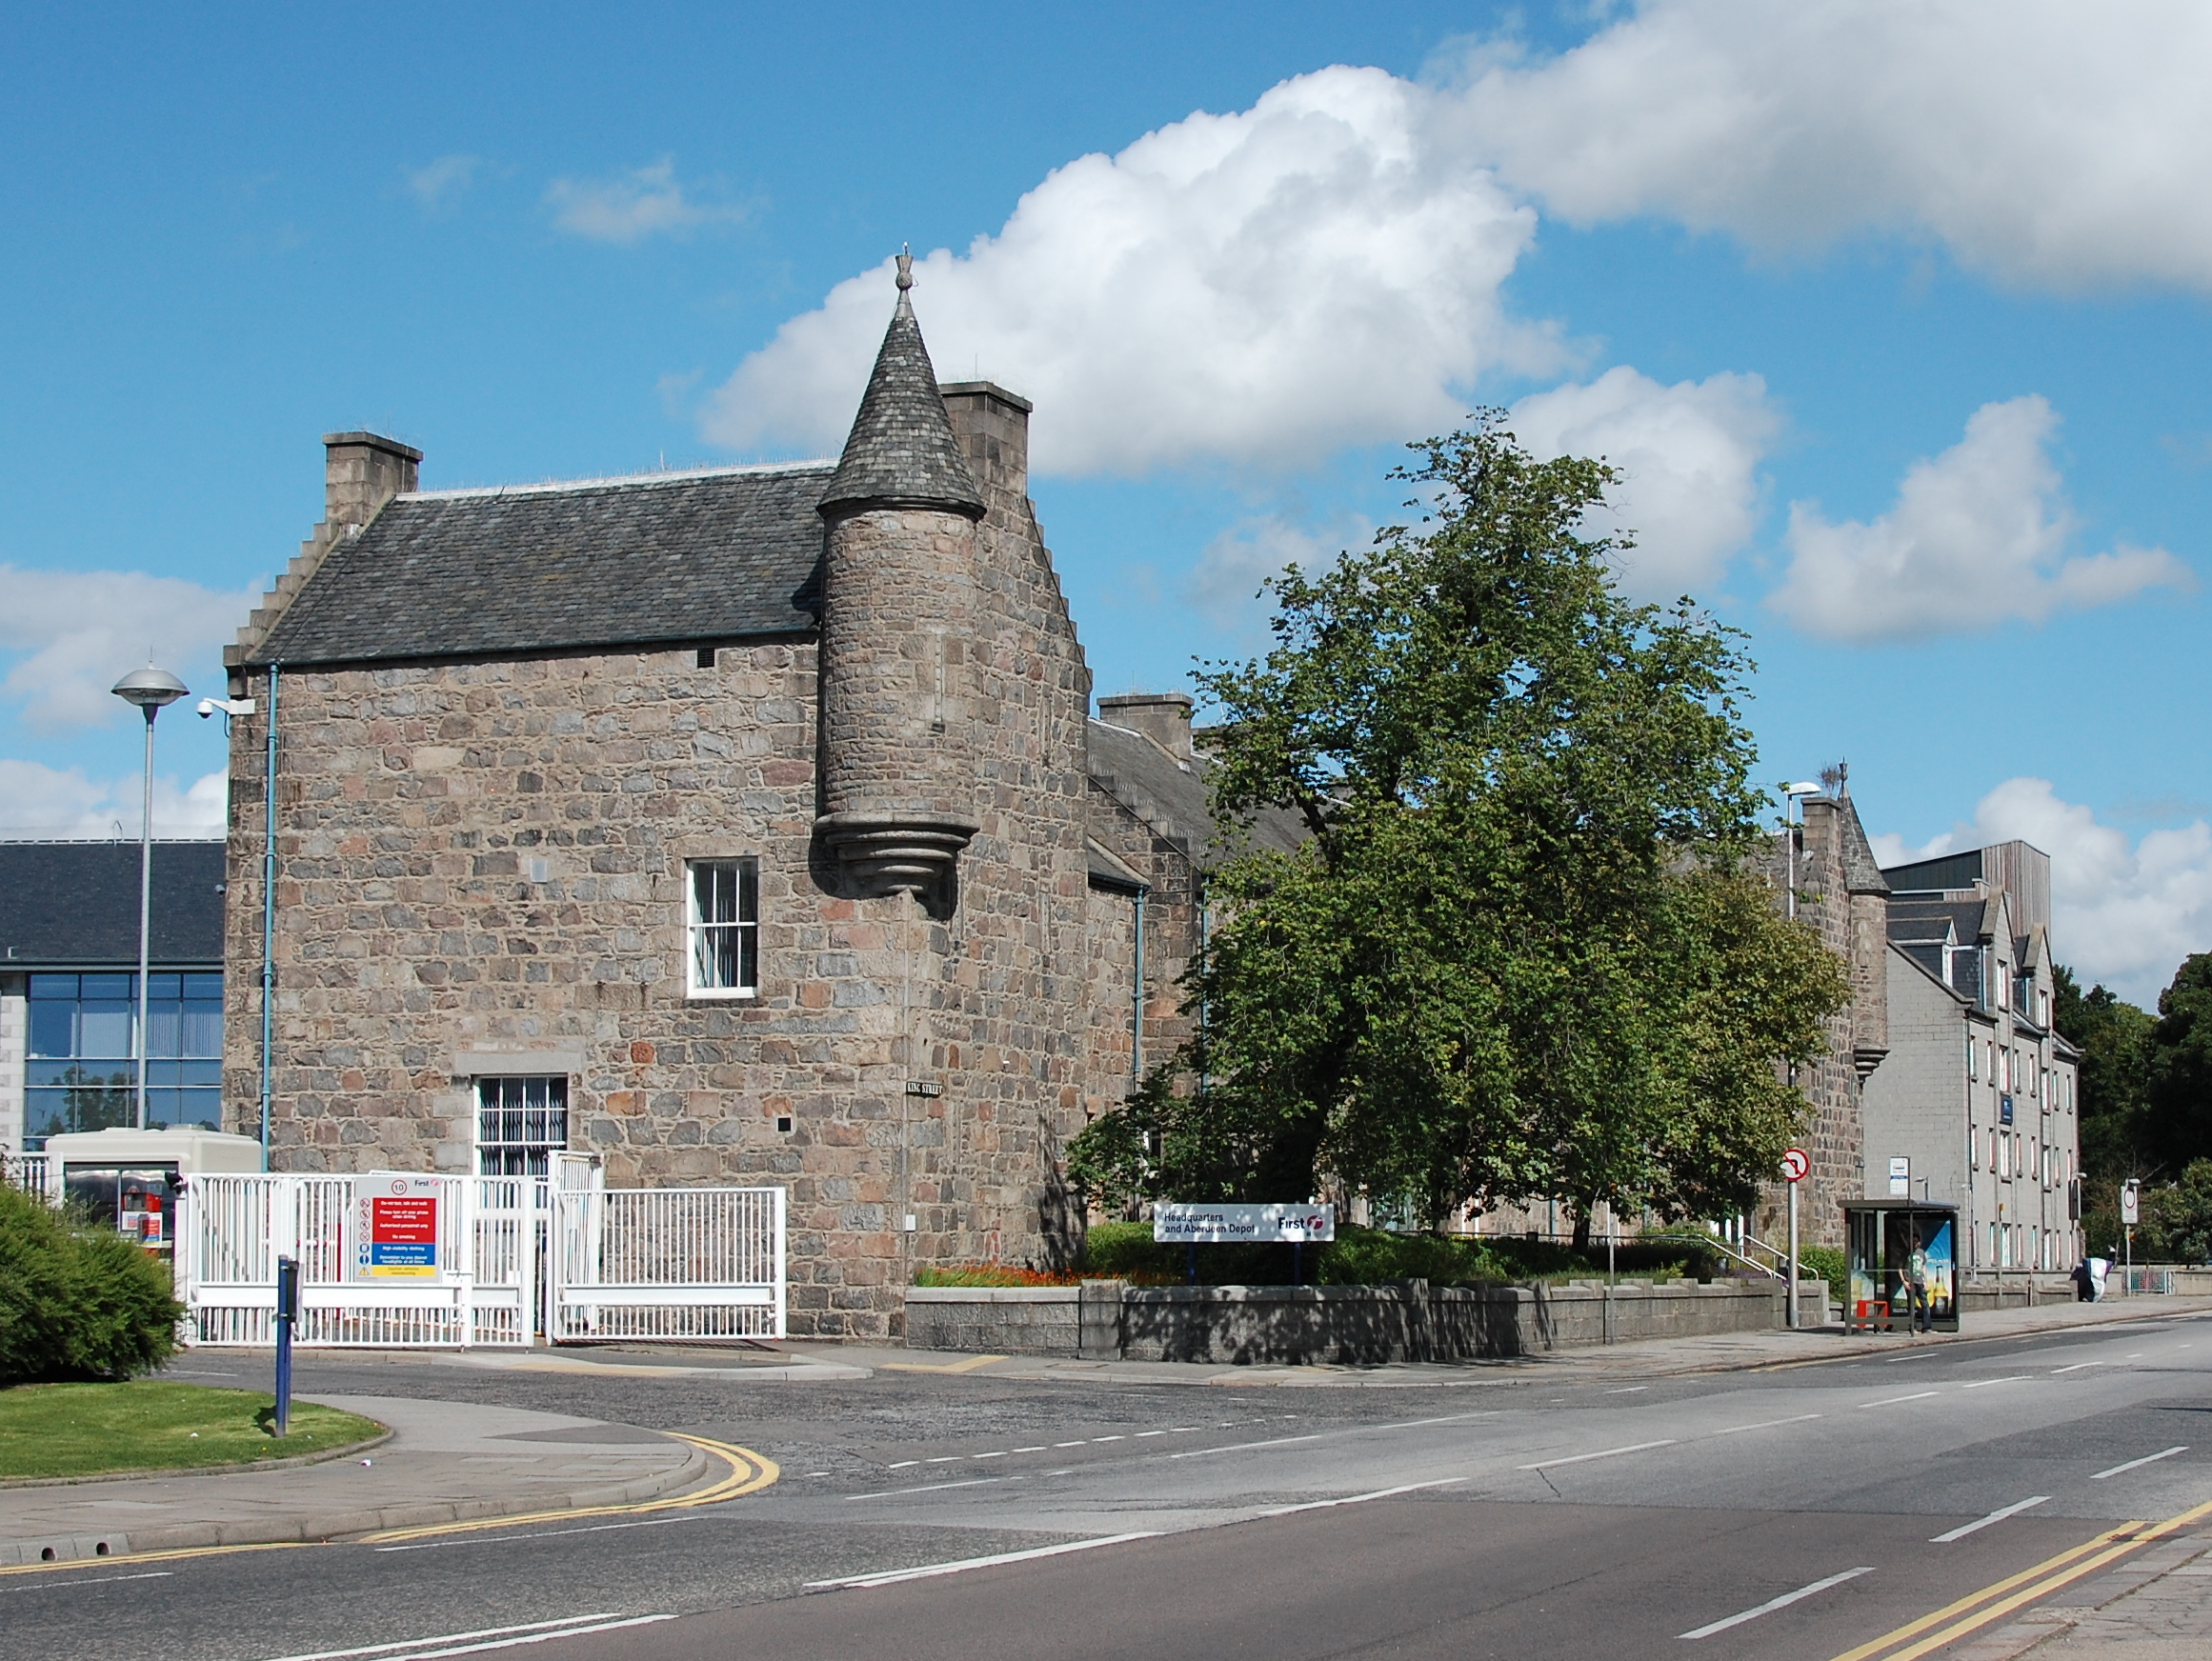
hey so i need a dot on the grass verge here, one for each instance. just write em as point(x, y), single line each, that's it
point(88, 1429)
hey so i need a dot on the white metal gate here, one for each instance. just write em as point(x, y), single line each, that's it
point(632, 1264)
point(667, 1263)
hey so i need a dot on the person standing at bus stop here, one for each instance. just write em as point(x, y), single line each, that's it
point(1921, 1316)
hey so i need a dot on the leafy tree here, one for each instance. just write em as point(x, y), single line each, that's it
point(2177, 1069)
point(2113, 1037)
point(2178, 1220)
point(1518, 954)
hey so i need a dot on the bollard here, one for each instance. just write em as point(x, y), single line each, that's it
point(287, 1312)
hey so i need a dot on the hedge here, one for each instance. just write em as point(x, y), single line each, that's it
point(77, 1301)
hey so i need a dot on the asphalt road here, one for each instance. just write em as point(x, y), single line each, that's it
point(1512, 1516)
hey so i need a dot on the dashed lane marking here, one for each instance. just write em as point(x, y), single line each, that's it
point(483, 1640)
point(890, 1578)
point(1996, 1516)
point(2146, 1459)
point(1774, 1602)
point(1602, 1453)
point(1892, 1401)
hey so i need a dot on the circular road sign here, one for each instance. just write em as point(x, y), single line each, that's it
point(1795, 1165)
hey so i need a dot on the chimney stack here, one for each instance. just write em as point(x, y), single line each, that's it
point(991, 425)
point(1163, 718)
point(361, 472)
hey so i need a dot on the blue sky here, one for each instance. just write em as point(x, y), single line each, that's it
point(1895, 319)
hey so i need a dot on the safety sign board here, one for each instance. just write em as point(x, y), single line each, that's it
point(396, 1226)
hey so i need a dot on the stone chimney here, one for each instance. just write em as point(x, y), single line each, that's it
point(991, 428)
point(1163, 718)
point(361, 472)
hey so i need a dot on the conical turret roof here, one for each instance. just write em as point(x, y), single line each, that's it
point(901, 451)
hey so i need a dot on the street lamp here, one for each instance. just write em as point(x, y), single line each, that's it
point(151, 688)
point(1792, 795)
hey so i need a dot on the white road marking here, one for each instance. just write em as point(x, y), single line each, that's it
point(1774, 1603)
point(1444, 1419)
point(2009, 1378)
point(466, 1643)
point(1116, 1438)
point(1141, 1435)
point(901, 1464)
point(1996, 1516)
point(1000, 1455)
point(925, 1488)
point(1602, 1453)
point(1039, 1448)
point(1240, 1446)
point(1322, 1505)
point(1628, 1389)
point(893, 1576)
point(1892, 1401)
point(2146, 1459)
point(1767, 1424)
point(96, 1580)
point(2076, 1367)
point(944, 1459)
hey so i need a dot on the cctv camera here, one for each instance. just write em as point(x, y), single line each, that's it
point(207, 708)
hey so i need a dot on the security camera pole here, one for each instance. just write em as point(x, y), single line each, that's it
point(151, 688)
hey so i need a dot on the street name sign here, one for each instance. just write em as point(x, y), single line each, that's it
point(1194, 1225)
point(397, 1218)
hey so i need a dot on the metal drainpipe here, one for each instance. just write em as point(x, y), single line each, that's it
point(267, 912)
point(1136, 998)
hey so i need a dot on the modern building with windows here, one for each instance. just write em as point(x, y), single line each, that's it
point(68, 987)
point(1977, 1102)
point(740, 824)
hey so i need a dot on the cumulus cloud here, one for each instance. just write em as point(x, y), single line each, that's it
point(2044, 141)
point(1225, 584)
point(436, 184)
point(1977, 537)
point(1688, 455)
point(1260, 287)
point(44, 801)
point(629, 207)
point(2123, 915)
point(84, 630)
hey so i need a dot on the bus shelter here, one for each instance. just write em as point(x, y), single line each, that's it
point(1880, 1237)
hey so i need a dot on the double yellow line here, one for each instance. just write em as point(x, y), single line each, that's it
point(749, 1472)
point(1978, 1609)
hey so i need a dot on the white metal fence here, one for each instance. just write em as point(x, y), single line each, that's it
point(636, 1264)
point(27, 1172)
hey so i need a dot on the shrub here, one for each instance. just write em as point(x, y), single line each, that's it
point(77, 1301)
point(1370, 1256)
point(1829, 1263)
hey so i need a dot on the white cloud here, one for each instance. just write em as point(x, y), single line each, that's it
point(1260, 287)
point(443, 179)
point(1225, 584)
point(2121, 915)
point(44, 801)
point(1688, 454)
point(85, 630)
point(630, 206)
point(1977, 537)
point(2044, 141)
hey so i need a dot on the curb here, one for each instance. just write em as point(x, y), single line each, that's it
point(316, 1527)
point(230, 1470)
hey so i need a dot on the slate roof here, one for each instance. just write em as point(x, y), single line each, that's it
point(1172, 799)
point(902, 451)
point(74, 905)
point(1862, 871)
point(663, 558)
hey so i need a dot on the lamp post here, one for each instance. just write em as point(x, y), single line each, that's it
point(151, 690)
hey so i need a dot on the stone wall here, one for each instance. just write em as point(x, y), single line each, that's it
point(1344, 1325)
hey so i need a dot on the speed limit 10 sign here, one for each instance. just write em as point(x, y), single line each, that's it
point(1797, 1165)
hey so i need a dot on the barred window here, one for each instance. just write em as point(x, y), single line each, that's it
point(724, 927)
point(520, 1124)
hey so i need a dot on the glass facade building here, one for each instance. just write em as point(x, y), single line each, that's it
point(79, 1073)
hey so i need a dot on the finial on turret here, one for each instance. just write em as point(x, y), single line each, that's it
point(905, 266)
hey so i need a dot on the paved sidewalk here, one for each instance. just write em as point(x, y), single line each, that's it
point(446, 1462)
point(2153, 1606)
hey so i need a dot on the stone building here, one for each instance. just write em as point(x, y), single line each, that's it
point(737, 825)
point(1977, 1104)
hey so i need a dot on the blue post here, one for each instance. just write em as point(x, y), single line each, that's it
point(1190, 1270)
point(287, 1312)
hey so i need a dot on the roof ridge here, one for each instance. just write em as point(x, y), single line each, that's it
point(614, 481)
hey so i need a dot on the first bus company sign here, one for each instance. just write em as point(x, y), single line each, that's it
point(396, 1226)
point(1222, 1225)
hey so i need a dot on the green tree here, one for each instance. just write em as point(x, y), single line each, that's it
point(1517, 953)
point(2177, 1221)
point(2114, 1038)
point(2177, 1069)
